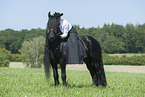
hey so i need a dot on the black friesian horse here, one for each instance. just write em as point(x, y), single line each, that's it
point(55, 53)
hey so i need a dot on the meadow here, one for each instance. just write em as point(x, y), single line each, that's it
point(25, 82)
point(127, 54)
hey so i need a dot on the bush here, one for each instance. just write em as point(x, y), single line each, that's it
point(5, 57)
point(16, 58)
point(124, 60)
point(5, 63)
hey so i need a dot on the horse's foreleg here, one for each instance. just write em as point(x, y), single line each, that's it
point(63, 73)
point(55, 74)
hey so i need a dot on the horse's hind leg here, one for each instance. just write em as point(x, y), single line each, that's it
point(101, 79)
point(98, 72)
point(91, 70)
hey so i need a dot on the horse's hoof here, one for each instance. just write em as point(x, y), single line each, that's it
point(65, 85)
point(56, 85)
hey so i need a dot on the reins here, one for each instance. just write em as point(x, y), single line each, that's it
point(84, 44)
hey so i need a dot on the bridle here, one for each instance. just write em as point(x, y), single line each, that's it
point(58, 33)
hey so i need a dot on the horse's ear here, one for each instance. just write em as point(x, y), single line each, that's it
point(49, 15)
point(61, 14)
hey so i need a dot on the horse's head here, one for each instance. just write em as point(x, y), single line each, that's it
point(52, 26)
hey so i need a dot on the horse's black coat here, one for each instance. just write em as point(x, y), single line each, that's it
point(55, 53)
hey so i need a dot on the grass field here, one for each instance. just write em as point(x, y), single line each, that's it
point(127, 54)
point(18, 82)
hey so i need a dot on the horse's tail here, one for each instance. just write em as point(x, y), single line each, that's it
point(46, 59)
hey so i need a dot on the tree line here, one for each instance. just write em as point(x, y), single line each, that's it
point(117, 38)
point(112, 37)
point(12, 40)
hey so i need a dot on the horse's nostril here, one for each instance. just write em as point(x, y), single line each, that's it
point(51, 38)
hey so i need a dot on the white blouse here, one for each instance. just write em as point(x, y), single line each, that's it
point(65, 27)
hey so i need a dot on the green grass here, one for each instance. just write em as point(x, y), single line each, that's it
point(127, 54)
point(32, 83)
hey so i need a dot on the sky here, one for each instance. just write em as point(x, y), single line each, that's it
point(33, 14)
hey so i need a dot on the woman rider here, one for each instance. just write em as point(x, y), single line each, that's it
point(69, 32)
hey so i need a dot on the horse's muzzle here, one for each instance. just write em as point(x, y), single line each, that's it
point(51, 38)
